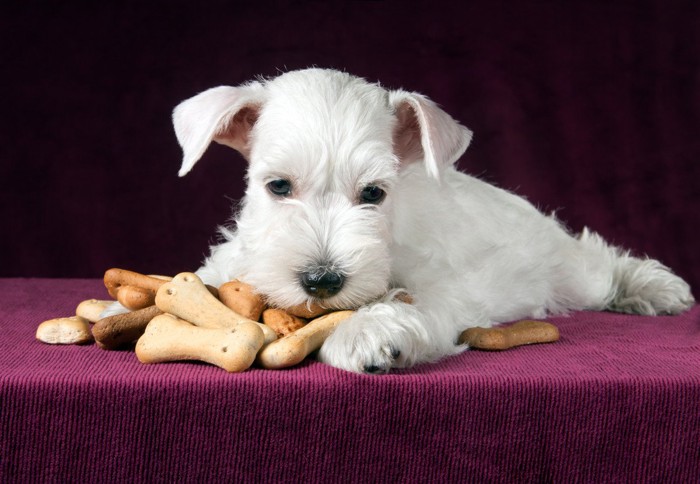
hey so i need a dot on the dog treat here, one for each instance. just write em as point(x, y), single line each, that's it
point(73, 330)
point(281, 321)
point(293, 348)
point(242, 299)
point(308, 311)
point(115, 331)
point(116, 278)
point(92, 309)
point(187, 298)
point(518, 334)
point(162, 278)
point(134, 297)
point(168, 338)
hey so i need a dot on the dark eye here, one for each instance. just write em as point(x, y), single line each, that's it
point(372, 194)
point(281, 188)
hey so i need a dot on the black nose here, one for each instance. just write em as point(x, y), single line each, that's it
point(323, 283)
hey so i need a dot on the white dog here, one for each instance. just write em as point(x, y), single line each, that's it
point(352, 196)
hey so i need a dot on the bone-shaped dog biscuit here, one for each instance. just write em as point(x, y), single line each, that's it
point(188, 298)
point(168, 338)
point(132, 289)
point(520, 333)
point(115, 278)
point(293, 348)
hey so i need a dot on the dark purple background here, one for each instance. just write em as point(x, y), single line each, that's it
point(587, 108)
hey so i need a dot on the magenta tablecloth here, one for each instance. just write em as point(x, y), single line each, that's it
point(617, 399)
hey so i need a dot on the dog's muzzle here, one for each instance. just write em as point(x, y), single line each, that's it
point(322, 283)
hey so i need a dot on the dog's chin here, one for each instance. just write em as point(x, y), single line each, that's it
point(346, 299)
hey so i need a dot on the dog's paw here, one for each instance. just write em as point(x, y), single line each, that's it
point(389, 357)
point(650, 288)
point(360, 345)
point(374, 340)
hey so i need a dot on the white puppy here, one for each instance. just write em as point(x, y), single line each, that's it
point(352, 195)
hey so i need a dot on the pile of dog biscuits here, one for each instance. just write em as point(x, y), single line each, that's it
point(180, 318)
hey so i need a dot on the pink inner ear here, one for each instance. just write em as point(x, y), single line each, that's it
point(407, 134)
point(236, 131)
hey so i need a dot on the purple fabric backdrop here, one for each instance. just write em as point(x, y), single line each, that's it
point(615, 400)
point(588, 108)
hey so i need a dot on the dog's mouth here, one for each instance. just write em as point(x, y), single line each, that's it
point(331, 288)
point(318, 293)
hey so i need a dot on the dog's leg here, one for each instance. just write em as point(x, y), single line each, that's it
point(616, 281)
point(384, 335)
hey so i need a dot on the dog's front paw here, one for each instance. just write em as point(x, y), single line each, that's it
point(360, 344)
point(374, 340)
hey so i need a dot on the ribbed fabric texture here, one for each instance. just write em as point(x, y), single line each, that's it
point(616, 400)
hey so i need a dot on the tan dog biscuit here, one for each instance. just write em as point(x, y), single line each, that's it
point(293, 348)
point(518, 334)
point(281, 321)
point(120, 329)
point(168, 338)
point(91, 309)
point(187, 298)
point(73, 330)
point(242, 299)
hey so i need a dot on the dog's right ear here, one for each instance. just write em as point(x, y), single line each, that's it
point(223, 114)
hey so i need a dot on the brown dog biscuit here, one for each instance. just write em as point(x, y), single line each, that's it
point(115, 278)
point(133, 297)
point(518, 334)
point(308, 311)
point(242, 298)
point(120, 329)
point(281, 321)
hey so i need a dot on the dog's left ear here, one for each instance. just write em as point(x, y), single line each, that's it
point(424, 131)
point(223, 114)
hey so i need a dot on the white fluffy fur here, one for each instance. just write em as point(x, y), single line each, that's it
point(470, 254)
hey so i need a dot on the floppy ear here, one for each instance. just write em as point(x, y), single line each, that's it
point(424, 131)
point(223, 114)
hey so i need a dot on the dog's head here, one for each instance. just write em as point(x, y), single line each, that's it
point(325, 152)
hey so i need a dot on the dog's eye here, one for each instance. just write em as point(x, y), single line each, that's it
point(281, 188)
point(372, 194)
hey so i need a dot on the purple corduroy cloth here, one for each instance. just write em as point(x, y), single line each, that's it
point(616, 399)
